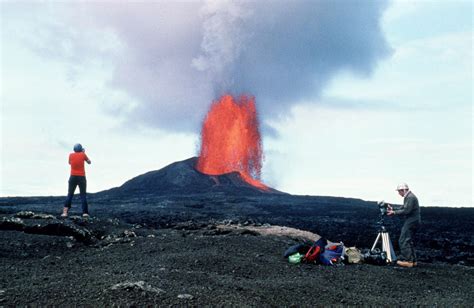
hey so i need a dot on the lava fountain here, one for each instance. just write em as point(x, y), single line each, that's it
point(230, 140)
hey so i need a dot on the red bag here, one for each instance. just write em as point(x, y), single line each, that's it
point(312, 255)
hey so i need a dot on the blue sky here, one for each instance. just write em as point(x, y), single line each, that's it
point(369, 95)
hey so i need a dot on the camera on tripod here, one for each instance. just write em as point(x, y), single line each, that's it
point(387, 254)
point(383, 207)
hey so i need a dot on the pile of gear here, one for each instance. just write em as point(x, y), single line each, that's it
point(324, 253)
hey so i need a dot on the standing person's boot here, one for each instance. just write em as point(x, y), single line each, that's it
point(65, 212)
point(406, 263)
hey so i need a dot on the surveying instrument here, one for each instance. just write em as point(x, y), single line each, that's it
point(383, 236)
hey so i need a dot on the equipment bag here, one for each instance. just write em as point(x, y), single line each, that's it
point(353, 255)
point(295, 258)
point(315, 251)
point(312, 254)
point(375, 257)
point(332, 254)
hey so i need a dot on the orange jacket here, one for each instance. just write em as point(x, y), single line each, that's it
point(76, 160)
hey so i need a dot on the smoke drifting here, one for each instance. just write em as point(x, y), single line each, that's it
point(177, 57)
point(286, 51)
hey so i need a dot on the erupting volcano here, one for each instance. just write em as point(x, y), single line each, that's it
point(230, 140)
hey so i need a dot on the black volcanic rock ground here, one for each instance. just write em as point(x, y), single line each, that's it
point(148, 243)
point(166, 251)
point(196, 264)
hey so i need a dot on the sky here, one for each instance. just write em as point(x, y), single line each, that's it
point(353, 97)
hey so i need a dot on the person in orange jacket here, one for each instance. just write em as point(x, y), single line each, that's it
point(77, 178)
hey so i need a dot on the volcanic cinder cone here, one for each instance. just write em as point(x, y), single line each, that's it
point(230, 140)
point(181, 178)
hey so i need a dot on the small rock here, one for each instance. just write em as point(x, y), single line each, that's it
point(10, 221)
point(25, 214)
point(185, 296)
point(69, 245)
point(137, 286)
point(129, 233)
point(43, 216)
point(150, 235)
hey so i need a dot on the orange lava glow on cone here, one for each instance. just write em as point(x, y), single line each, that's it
point(230, 140)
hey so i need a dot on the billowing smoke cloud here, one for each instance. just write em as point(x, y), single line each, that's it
point(177, 57)
point(286, 51)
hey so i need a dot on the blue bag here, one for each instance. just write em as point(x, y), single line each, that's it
point(332, 254)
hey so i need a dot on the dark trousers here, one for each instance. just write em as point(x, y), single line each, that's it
point(74, 181)
point(407, 241)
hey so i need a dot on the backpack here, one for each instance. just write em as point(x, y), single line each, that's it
point(312, 256)
point(333, 254)
point(353, 255)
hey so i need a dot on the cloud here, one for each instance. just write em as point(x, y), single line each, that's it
point(173, 58)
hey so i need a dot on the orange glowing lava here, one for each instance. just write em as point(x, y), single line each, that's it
point(230, 140)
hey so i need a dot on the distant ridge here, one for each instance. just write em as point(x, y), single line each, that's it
point(182, 178)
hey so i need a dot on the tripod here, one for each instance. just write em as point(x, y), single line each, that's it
point(387, 246)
